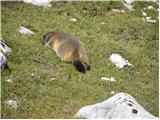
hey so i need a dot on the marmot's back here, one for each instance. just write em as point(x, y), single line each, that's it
point(68, 44)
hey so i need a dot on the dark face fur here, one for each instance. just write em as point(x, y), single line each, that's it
point(46, 37)
point(81, 67)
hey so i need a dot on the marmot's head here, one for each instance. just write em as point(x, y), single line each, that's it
point(46, 37)
point(80, 66)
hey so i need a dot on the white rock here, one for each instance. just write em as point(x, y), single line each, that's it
point(52, 79)
point(151, 21)
point(148, 18)
point(128, 4)
point(119, 106)
point(112, 92)
point(144, 14)
point(103, 23)
point(73, 19)
point(151, 0)
point(157, 1)
point(9, 80)
point(150, 7)
point(3, 47)
point(12, 104)
point(3, 61)
point(108, 79)
point(3, 50)
point(119, 61)
point(25, 31)
point(122, 11)
point(45, 3)
point(117, 10)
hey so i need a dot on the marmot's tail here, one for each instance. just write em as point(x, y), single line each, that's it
point(79, 65)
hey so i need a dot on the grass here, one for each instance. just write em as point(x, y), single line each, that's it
point(32, 66)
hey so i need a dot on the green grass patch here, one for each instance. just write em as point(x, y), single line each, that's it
point(123, 33)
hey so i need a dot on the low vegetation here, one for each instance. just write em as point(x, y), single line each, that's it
point(32, 66)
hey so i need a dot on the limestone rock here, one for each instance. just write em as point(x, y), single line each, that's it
point(119, 106)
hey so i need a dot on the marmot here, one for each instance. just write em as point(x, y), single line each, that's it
point(69, 48)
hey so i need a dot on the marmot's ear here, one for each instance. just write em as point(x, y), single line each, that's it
point(46, 37)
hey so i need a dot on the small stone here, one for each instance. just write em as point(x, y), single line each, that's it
point(148, 18)
point(49, 5)
point(9, 80)
point(112, 92)
point(122, 11)
point(73, 19)
point(117, 10)
point(108, 79)
point(53, 79)
point(45, 3)
point(103, 23)
point(25, 31)
point(158, 9)
point(119, 61)
point(151, 21)
point(3, 47)
point(12, 103)
point(3, 61)
point(144, 14)
point(150, 7)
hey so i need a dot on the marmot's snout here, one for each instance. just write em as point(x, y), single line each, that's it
point(46, 37)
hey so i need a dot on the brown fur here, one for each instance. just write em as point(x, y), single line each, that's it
point(67, 47)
